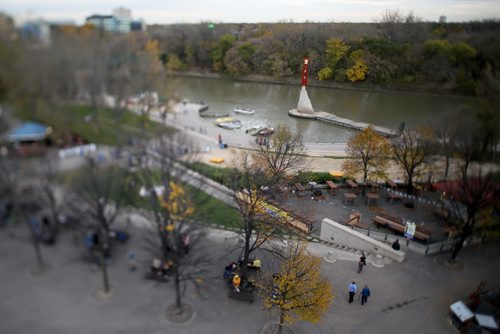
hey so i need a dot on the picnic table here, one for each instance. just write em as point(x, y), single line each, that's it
point(331, 187)
point(349, 198)
point(351, 184)
point(393, 196)
point(373, 185)
point(371, 197)
point(391, 183)
point(300, 189)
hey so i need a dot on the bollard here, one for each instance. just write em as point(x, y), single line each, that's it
point(407, 242)
point(385, 238)
point(426, 250)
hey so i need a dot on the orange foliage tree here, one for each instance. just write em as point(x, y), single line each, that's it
point(299, 291)
point(368, 154)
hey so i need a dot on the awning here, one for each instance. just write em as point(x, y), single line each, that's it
point(216, 160)
point(29, 131)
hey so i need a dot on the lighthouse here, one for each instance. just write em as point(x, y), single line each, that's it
point(304, 106)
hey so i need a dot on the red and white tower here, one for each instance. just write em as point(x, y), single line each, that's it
point(304, 106)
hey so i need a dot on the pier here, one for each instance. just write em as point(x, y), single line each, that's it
point(348, 123)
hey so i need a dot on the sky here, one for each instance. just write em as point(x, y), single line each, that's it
point(248, 11)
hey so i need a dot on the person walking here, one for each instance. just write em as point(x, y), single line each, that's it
point(362, 262)
point(352, 291)
point(365, 293)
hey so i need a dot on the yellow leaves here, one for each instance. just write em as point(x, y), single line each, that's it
point(299, 291)
point(368, 152)
point(176, 202)
point(152, 46)
point(358, 71)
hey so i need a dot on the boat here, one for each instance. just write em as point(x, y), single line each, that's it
point(212, 114)
point(264, 132)
point(245, 111)
point(254, 129)
point(228, 123)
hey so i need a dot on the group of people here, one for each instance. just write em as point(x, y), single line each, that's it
point(365, 293)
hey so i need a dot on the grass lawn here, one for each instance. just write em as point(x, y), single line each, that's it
point(103, 126)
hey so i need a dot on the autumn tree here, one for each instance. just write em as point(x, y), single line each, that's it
point(298, 291)
point(336, 50)
point(257, 227)
point(411, 151)
point(359, 69)
point(171, 216)
point(368, 154)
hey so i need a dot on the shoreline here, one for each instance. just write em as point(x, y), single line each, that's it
point(257, 78)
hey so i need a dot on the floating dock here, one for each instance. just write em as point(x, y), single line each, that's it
point(348, 123)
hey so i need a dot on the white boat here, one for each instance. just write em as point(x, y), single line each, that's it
point(245, 111)
point(228, 123)
point(264, 132)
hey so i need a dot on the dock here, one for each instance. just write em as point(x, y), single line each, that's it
point(348, 123)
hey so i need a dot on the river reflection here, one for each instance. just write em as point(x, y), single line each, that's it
point(271, 103)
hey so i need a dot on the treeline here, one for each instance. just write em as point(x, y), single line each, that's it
point(398, 52)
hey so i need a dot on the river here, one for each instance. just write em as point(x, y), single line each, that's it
point(271, 103)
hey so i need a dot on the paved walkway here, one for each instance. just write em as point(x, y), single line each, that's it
point(412, 297)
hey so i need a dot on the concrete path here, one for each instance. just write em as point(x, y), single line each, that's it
point(412, 297)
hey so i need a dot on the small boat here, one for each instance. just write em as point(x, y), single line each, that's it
point(245, 111)
point(228, 123)
point(212, 114)
point(264, 132)
point(254, 129)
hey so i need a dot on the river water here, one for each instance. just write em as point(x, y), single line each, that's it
point(271, 103)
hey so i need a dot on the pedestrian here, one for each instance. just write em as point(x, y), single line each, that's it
point(132, 263)
point(219, 137)
point(352, 291)
point(365, 293)
point(185, 241)
point(396, 245)
point(362, 262)
point(360, 266)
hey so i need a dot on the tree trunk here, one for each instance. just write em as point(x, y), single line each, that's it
point(447, 167)
point(177, 282)
point(410, 183)
point(460, 243)
point(282, 321)
point(38, 253)
point(104, 271)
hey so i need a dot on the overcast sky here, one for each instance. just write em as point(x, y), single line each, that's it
point(193, 11)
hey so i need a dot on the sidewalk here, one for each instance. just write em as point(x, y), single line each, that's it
point(412, 297)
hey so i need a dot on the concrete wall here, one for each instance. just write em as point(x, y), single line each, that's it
point(343, 235)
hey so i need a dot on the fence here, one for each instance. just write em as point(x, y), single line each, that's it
point(427, 249)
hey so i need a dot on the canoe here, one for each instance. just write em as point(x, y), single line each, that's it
point(245, 111)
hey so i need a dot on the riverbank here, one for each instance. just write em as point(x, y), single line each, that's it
point(434, 90)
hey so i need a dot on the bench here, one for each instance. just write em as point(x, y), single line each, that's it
point(396, 224)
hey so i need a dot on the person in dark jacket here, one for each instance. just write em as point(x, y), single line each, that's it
point(396, 245)
point(365, 293)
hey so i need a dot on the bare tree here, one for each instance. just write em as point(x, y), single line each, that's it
point(471, 194)
point(284, 155)
point(259, 226)
point(411, 151)
point(178, 240)
point(99, 197)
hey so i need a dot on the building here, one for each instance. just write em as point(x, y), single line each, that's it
point(37, 31)
point(119, 21)
point(104, 22)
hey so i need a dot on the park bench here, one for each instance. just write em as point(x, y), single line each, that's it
point(396, 224)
